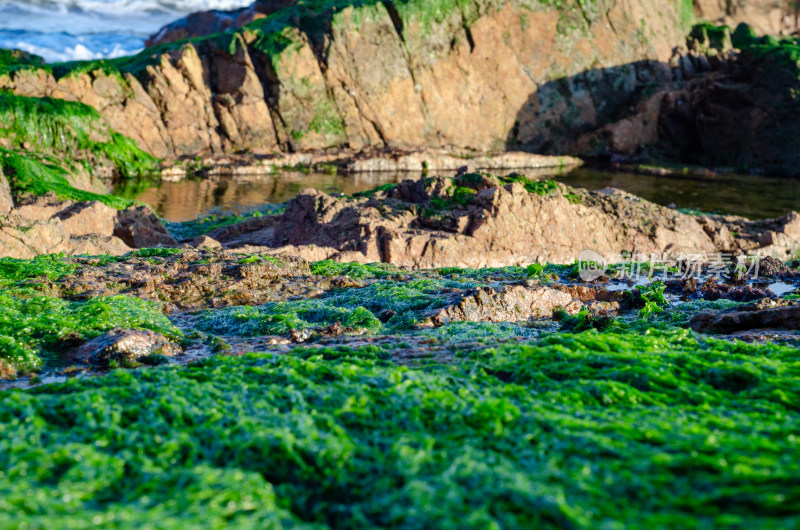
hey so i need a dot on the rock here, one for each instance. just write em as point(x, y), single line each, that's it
point(25, 239)
point(94, 245)
point(193, 279)
point(124, 346)
point(509, 304)
point(421, 224)
point(6, 202)
point(205, 23)
point(87, 218)
point(770, 315)
point(42, 207)
point(205, 242)
point(766, 16)
point(139, 227)
point(385, 79)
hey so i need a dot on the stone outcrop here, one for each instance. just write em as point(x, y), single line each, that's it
point(437, 223)
point(767, 314)
point(478, 221)
point(479, 76)
point(193, 279)
point(124, 347)
point(47, 225)
point(508, 304)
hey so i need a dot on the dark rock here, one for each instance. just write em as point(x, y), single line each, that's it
point(139, 227)
point(125, 347)
point(768, 314)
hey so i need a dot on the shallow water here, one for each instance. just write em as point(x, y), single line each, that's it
point(749, 196)
point(188, 199)
point(754, 197)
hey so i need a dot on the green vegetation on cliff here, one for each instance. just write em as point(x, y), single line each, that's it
point(71, 130)
point(659, 430)
point(38, 174)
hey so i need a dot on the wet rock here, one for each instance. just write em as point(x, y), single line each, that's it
point(139, 227)
point(771, 267)
point(193, 279)
point(301, 335)
point(711, 289)
point(765, 315)
point(125, 347)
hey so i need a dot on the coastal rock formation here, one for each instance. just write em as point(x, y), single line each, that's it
point(47, 225)
point(400, 74)
point(764, 314)
point(205, 23)
point(476, 220)
point(123, 346)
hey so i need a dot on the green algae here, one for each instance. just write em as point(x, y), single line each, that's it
point(205, 224)
point(657, 430)
point(69, 128)
point(38, 175)
point(40, 326)
point(279, 318)
point(382, 306)
point(50, 266)
point(356, 271)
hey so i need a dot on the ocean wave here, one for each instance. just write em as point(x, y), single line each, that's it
point(91, 29)
point(60, 47)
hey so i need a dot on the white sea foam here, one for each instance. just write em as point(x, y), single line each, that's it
point(61, 30)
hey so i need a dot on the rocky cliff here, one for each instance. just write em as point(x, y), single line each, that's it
point(470, 75)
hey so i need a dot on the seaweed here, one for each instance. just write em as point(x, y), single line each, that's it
point(584, 430)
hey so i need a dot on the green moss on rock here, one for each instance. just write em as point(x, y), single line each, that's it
point(38, 175)
point(70, 129)
point(33, 328)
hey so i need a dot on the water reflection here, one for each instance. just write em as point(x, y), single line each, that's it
point(749, 196)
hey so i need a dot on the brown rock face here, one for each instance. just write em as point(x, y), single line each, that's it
point(434, 223)
point(6, 202)
point(85, 218)
point(138, 227)
point(480, 76)
point(46, 225)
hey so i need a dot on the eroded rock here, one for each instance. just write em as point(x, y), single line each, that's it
point(192, 278)
point(139, 227)
point(481, 221)
point(124, 347)
point(768, 314)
